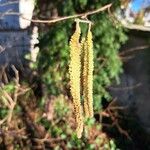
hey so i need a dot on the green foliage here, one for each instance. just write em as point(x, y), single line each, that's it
point(54, 57)
point(53, 61)
point(5, 94)
point(62, 127)
point(28, 122)
point(9, 88)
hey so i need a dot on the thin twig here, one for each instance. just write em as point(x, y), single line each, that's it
point(126, 58)
point(138, 48)
point(5, 101)
point(135, 26)
point(111, 112)
point(8, 97)
point(15, 96)
point(70, 17)
point(83, 21)
point(3, 120)
point(126, 88)
point(23, 91)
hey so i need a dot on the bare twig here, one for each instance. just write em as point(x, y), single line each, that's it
point(3, 74)
point(51, 140)
point(83, 21)
point(135, 26)
point(138, 48)
point(111, 111)
point(15, 96)
point(126, 58)
point(19, 133)
point(83, 15)
point(126, 88)
point(10, 101)
point(8, 97)
point(3, 120)
point(23, 91)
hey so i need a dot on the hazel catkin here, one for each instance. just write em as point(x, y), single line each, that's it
point(88, 75)
point(74, 70)
point(81, 76)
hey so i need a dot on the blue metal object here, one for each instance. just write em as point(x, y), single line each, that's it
point(17, 37)
point(9, 18)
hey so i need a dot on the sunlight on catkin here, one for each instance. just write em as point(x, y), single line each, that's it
point(81, 75)
point(74, 70)
point(89, 75)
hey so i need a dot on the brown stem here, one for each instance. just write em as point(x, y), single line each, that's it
point(70, 17)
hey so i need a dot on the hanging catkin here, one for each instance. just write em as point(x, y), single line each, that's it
point(88, 75)
point(84, 78)
point(81, 75)
point(74, 70)
point(82, 64)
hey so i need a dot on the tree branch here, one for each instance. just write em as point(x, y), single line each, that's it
point(138, 48)
point(83, 15)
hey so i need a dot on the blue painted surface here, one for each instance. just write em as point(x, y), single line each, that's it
point(9, 21)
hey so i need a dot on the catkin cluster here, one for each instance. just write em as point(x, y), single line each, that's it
point(81, 75)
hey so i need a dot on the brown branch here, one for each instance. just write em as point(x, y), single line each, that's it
point(126, 58)
point(15, 96)
point(125, 88)
point(112, 112)
point(83, 15)
point(135, 26)
point(138, 48)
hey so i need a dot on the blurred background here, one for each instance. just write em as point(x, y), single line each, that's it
point(36, 109)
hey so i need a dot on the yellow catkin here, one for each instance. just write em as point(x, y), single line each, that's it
point(88, 75)
point(74, 70)
point(82, 64)
point(84, 78)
